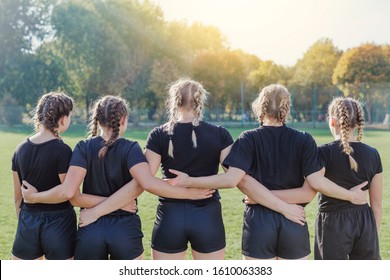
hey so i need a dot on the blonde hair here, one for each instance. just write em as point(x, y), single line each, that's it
point(273, 101)
point(50, 108)
point(349, 114)
point(189, 94)
point(107, 112)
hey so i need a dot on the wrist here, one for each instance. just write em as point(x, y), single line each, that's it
point(281, 208)
point(34, 198)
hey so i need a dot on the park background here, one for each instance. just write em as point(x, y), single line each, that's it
point(127, 47)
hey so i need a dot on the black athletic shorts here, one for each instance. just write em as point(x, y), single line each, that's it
point(349, 234)
point(115, 237)
point(45, 233)
point(268, 234)
point(180, 222)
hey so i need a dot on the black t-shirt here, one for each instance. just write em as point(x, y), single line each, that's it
point(107, 175)
point(278, 157)
point(339, 171)
point(40, 164)
point(200, 161)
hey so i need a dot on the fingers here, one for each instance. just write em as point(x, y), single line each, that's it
point(26, 184)
point(361, 186)
point(177, 173)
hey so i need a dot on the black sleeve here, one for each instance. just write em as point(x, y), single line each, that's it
point(379, 169)
point(241, 154)
point(153, 142)
point(226, 138)
point(14, 165)
point(63, 159)
point(323, 153)
point(310, 159)
point(135, 155)
point(79, 156)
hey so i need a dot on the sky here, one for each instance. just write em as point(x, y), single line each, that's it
point(283, 30)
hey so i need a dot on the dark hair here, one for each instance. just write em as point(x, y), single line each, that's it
point(50, 108)
point(107, 112)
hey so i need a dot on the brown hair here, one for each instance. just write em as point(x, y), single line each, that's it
point(349, 114)
point(107, 112)
point(273, 101)
point(50, 108)
point(189, 94)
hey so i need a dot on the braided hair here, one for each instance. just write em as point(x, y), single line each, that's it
point(189, 94)
point(107, 112)
point(50, 109)
point(273, 101)
point(349, 114)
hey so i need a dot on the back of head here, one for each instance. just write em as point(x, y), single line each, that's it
point(107, 112)
point(50, 108)
point(273, 101)
point(184, 94)
point(349, 115)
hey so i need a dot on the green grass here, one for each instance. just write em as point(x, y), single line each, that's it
point(231, 198)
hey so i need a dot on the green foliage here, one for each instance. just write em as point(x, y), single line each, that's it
point(90, 48)
point(364, 72)
point(10, 111)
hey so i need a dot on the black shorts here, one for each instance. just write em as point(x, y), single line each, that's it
point(268, 234)
point(45, 233)
point(178, 223)
point(346, 235)
point(115, 237)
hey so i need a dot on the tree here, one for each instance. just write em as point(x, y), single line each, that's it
point(22, 22)
point(313, 73)
point(364, 72)
point(221, 73)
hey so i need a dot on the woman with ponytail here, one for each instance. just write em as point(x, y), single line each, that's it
point(269, 164)
point(344, 230)
point(187, 143)
point(44, 230)
point(106, 164)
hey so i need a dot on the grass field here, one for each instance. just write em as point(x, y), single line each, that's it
point(231, 198)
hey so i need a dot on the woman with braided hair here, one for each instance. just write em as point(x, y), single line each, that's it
point(344, 230)
point(106, 164)
point(270, 164)
point(44, 230)
point(187, 143)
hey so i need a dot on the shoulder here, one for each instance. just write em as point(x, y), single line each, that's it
point(21, 145)
point(63, 147)
point(213, 127)
point(299, 133)
point(368, 147)
point(89, 143)
point(368, 150)
point(128, 145)
point(158, 130)
point(250, 133)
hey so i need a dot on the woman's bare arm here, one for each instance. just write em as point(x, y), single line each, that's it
point(375, 192)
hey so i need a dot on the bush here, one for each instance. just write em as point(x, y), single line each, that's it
point(10, 111)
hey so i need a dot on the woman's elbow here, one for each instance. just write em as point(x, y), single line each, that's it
point(310, 196)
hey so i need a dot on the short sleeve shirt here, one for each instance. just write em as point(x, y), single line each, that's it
point(278, 157)
point(107, 175)
point(40, 165)
point(338, 170)
point(200, 161)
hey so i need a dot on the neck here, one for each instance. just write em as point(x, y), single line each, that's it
point(186, 116)
point(43, 135)
point(351, 136)
point(107, 133)
point(272, 122)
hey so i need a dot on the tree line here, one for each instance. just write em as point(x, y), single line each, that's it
point(90, 48)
